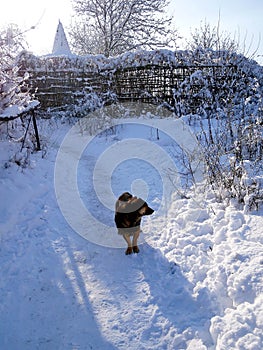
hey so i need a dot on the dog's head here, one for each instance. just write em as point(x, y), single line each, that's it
point(127, 203)
point(130, 210)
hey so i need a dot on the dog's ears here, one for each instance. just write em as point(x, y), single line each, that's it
point(126, 196)
point(121, 203)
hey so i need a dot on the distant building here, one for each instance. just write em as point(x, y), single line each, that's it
point(60, 46)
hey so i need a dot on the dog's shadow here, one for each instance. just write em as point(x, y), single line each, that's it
point(173, 293)
point(159, 290)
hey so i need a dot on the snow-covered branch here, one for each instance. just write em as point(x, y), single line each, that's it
point(120, 25)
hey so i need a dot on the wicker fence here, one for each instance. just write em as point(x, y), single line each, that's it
point(158, 84)
point(60, 89)
point(59, 86)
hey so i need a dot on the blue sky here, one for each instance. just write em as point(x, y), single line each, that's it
point(240, 17)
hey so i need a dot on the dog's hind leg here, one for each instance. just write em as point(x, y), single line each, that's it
point(128, 241)
point(135, 247)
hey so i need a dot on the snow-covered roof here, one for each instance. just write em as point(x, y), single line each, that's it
point(60, 46)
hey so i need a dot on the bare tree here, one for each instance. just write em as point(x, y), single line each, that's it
point(12, 41)
point(112, 27)
point(211, 37)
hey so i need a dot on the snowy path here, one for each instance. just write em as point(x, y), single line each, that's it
point(59, 292)
point(62, 292)
point(196, 284)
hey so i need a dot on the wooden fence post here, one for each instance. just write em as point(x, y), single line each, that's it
point(36, 130)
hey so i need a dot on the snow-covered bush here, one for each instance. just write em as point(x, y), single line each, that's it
point(233, 155)
point(224, 97)
point(15, 97)
point(219, 82)
point(90, 101)
point(13, 86)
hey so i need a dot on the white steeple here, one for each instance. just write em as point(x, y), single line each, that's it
point(60, 46)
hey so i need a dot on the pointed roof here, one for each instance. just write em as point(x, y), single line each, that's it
point(60, 46)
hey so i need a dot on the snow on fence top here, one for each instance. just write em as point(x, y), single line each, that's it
point(142, 58)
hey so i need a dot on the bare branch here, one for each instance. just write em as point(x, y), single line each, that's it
point(121, 25)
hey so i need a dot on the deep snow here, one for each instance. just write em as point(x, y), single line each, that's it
point(196, 284)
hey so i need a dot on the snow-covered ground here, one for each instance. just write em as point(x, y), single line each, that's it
point(196, 283)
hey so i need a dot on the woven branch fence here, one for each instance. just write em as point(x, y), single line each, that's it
point(62, 82)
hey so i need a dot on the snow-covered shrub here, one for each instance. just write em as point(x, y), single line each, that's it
point(219, 82)
point(224, 96)
point(252, 183)
point(15, 96)
point(22, 158)
point(90, 101)
point(13, 86)
point(233, 156)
